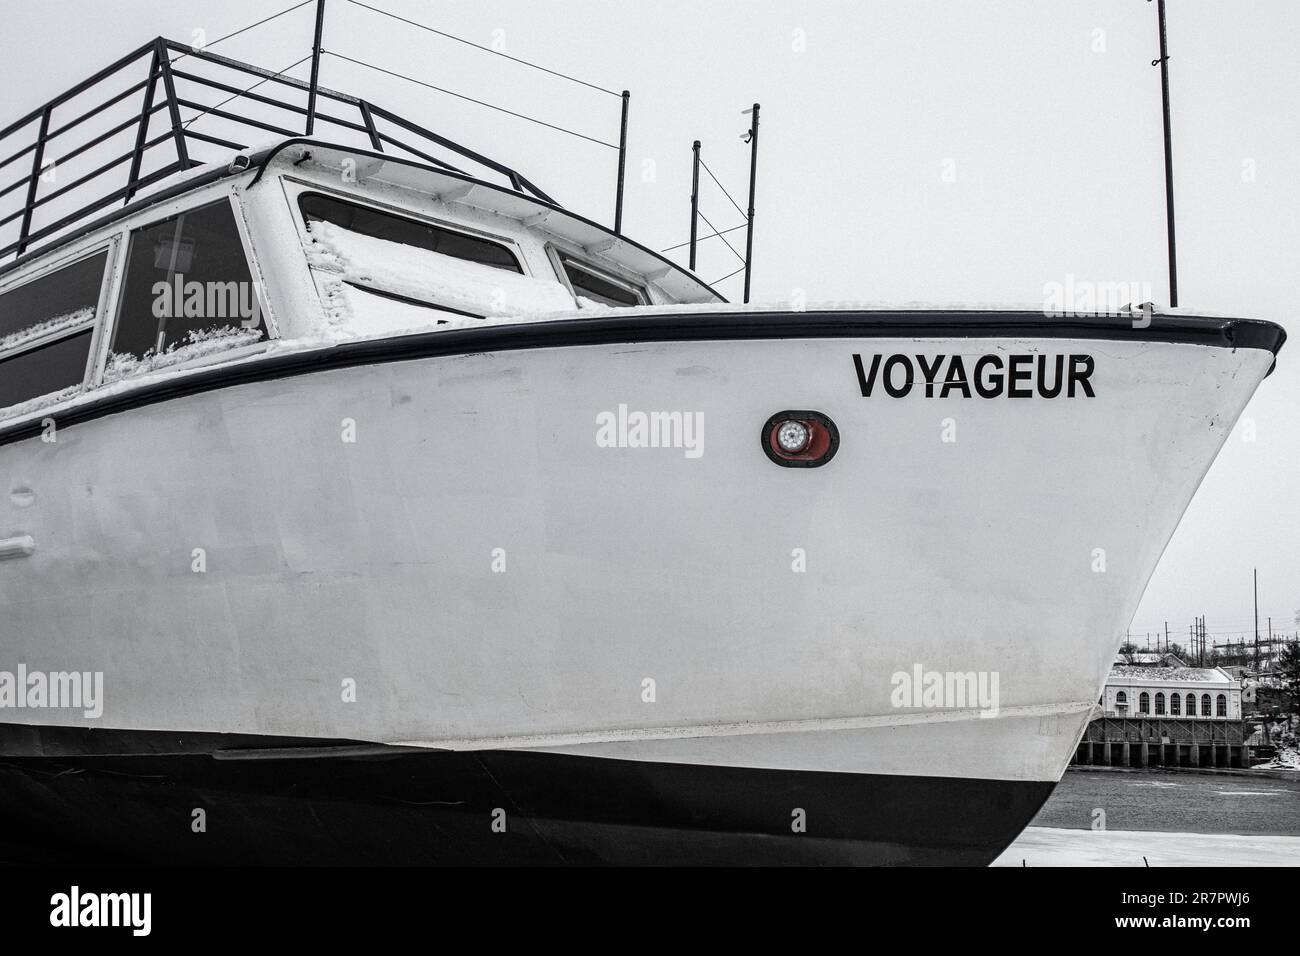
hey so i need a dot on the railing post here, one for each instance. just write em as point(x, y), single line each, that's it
point(315, 66)
point(142, 130)
point(173, 108)
point(695, 196)
point(375, 141)
point(37, 159)
point(622, 165)
point(753, 173)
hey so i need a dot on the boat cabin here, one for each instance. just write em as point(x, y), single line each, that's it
point(299, 243)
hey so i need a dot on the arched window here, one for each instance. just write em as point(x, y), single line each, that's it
point(1160, 704)
point(1222, 705)
point(1205, 706)
point(1191, 705)
point(1175, 705)
point(1121, 701)
point(1144, 703)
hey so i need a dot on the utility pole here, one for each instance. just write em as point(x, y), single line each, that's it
point(315, 66)
point(1257, 620)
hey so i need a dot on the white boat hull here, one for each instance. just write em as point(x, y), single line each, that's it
point(475, 572)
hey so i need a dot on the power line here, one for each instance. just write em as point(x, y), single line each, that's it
point(724, 239)
point(249, 27)
point(462, 96)
point(710, 236)
point(485, 49)
point(723, 188)
point(267, 79)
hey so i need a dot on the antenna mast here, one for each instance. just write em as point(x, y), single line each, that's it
point(1163, 63)
point(315, 66)
point(753, 171)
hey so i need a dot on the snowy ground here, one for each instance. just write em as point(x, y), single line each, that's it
point(1051, 846)
point(1288, 758)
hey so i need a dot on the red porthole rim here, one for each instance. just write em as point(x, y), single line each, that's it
point(822, 445)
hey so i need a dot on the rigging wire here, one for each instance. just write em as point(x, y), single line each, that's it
point(236, 96)
point(724, 239)
point(485, 49)
point(247, 28)
point(702, 238)
point(491, 106)
point(723, 188)
point(728, 276)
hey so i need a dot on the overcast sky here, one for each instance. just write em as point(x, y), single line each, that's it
point(1044, 116)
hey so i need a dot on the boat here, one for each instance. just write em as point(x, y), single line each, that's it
point(364, 505)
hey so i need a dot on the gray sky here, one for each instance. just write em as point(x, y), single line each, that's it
point(1049, 112)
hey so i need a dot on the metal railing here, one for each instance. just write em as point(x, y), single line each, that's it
point(168, 88)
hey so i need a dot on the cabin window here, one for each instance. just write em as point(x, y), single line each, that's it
point(588, 282)
point(409, 232)
point(1221, 703)
point(187, 284)
point(1175, 705)
point(46, 327)
point(1144, 703)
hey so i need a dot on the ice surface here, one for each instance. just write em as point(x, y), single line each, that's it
point(1050, 846)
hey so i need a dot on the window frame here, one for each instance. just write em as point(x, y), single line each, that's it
point(560, 256)
point(109, 246)
point(294, 188)
point(190, 203)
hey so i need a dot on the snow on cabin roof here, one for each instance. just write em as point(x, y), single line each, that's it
point(1145, 674)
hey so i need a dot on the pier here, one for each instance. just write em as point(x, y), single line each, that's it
point(1147, 741)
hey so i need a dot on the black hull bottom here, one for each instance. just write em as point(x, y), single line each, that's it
point(385, 806)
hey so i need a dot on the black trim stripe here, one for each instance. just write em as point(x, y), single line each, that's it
point(672, 327)
point(335, 805)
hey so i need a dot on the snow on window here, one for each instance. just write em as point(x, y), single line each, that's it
point(68, 320)
point(453, 289)
point(197, 344)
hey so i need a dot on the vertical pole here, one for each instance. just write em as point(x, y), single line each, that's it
point(315, 67)
point(34, 180)
point(622, 165)
point(753, 172)
point(1257, 620)
point(695, 196)
point(1169, 157)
